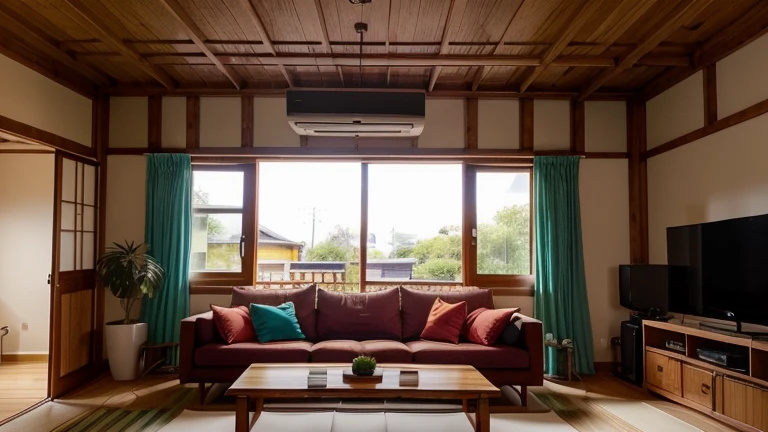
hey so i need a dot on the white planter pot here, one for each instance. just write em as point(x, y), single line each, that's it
point(123, 344)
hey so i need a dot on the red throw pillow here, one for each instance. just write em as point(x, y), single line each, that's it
point(484, 326)
point(445, 321)
point(234, 324)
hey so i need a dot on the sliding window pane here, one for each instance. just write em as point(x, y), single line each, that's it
point(503, 223)
point(309, 224)
point(414, 222)
point(216, 242)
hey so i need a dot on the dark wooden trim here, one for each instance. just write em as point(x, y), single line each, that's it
point(526, 124)
point(19, 358)
point(155, 121)
point(755, 110)
point(470, 141)
point(46, 138)
point(193, 122)
point(54, 333)
point(246, 109)
point(227, 155)
point(638, 199)
point(101, 142)
point(22, 151)
point(578, 127)
point(468, 223)
point(363, 225)
point(710, 94)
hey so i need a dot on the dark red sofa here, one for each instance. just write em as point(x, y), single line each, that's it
point(384, 324)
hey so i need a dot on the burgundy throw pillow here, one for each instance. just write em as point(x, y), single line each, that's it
point(303, 300)
point(234, 324)
point(484, 326)
point(445, 321)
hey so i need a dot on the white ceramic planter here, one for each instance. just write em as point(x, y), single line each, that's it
point(124, 342)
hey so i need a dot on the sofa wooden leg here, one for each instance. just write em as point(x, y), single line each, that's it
point(203, 392)
point(524, 395)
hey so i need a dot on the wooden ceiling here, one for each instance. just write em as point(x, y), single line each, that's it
point(580, 47)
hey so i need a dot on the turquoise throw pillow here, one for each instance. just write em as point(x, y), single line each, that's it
point(275, 323)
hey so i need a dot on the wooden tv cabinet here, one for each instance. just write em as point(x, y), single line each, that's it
point(739, 399)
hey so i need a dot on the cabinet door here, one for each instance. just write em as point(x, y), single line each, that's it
point(746, 403)
point(697, 385)
point(663, 372)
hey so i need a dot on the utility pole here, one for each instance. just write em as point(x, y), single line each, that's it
point(313, 227)
point(394, 246)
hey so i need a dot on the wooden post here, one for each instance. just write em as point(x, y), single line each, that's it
point(193, 122)
point(638, 193)
point(471, 124)
point(710, 94)
point(155, 121)
point(578, 126)
point(526, 124)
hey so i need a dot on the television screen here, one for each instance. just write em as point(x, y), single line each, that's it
point(724, 268)
point(643, 287)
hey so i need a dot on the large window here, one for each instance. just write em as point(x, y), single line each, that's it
point(309, 223)
point(414, 222)
point(222, 207)
point(284, 223)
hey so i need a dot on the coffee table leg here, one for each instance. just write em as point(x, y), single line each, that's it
point(482, 415)
point(242, 423)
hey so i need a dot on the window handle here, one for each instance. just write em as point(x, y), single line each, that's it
point(242, 246)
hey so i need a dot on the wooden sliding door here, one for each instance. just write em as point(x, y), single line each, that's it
point(74, 359)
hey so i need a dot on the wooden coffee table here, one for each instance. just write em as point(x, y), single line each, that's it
point(289, 380)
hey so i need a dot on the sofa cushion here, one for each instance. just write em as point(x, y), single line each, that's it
point(303, 302)
point(364, 316)
point(245, 353)
point(479, 356)
point(484, 326)
point(274, 324)
point(445, 321)
point(416, 305)
point(344, 351)
point(234, 324)
point(205, 329)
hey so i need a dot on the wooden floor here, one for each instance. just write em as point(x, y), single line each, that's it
point(23, 385)
point(151, 391)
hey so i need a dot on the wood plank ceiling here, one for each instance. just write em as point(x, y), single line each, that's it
point(583, 47)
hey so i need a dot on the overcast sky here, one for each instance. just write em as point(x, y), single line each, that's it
point(413, 199)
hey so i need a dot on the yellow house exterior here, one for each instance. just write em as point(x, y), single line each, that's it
point(282, 252)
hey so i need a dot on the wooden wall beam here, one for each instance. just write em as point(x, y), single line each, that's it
point(562, 42)
point(578, 127)
point(749, 113)
point(710, 94)
point(193, 122)
point(638, 192)
point(455, 9)
point(733, 37)
point(198, 37)
point(23, 130)
point(526, 124)
point(89, 20)
point(688, 11)
point(101, 143)
point(155, 121)
point(470, 141)
point(246, 108)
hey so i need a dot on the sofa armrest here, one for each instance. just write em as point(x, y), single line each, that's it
point(193, 330)
point(532, 337)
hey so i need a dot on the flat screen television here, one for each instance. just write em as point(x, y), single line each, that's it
point(643, 288)
point(726, 267)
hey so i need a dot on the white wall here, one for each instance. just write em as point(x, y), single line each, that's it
point(498, 124)
point(741, 78)
point(220, 122)
point(551, 124)
point(26, 223)
point(31, 98)
point(173, 129)
point(605, 126)
point(128, 122)
point(443, 124)
point(675, 112)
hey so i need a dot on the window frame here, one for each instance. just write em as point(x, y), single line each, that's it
point(249, 230)
point(469, 242)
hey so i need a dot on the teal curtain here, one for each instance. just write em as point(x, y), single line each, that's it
point(560, 301)
point(168, 232)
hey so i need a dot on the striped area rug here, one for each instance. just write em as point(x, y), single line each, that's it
point(119, 420)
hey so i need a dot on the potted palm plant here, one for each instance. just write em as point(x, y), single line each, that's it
point(129, 273)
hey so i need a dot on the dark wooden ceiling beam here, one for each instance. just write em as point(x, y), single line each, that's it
point(456, 8)
point(689, 10)
point(562, 42)
point(198, 37)
point(92, 22)
point(480, 74)
point(254, 14)
point(53, 44)
point(736, 35)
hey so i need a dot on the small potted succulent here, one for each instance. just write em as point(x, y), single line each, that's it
point(364, 366)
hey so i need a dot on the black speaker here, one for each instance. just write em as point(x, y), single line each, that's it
point(631, 352)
